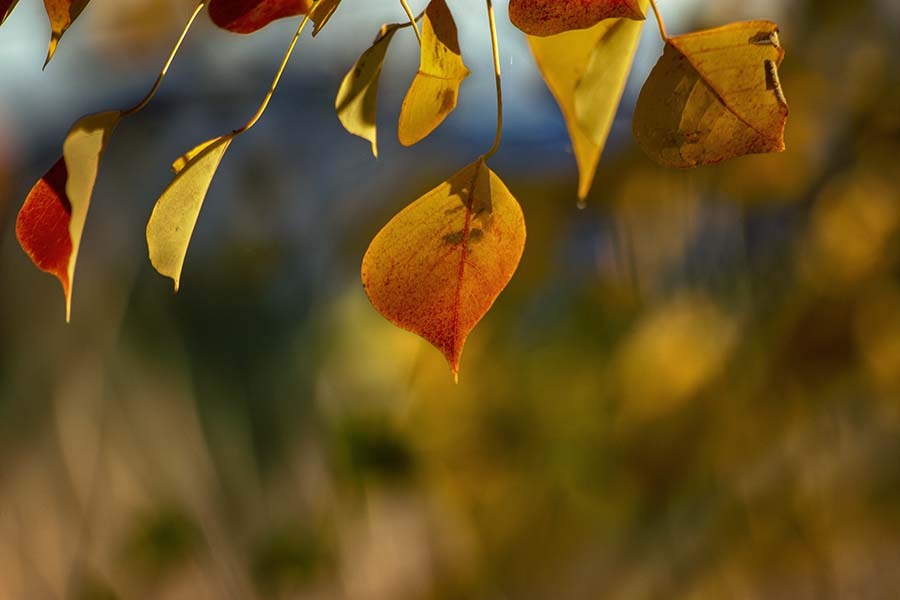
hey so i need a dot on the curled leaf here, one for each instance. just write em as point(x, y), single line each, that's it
point(356, 100)
point(175, 215)
point(51, 221)
point(6, 8)
point(714, 95)
point(435, 89)
point(436, 268)
point(321, 12)
point(247, 16)
point(586, 70)
point(61, 13)
point(549, 17)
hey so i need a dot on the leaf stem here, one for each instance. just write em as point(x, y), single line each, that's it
point(660, 22)
point(412, 20)
point(146, 100)
point(271, 92)
point(496, 49)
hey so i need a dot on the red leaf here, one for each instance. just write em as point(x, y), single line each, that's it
point(247, 16)
point(43, 224)
point(549, 17)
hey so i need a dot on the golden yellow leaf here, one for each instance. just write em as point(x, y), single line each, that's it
point(61, 13)
point(321, 12)
point(714, 95)
point(357, 98)
point(6, 8)
point(586, 70)
point(175, 215)
point(435, 89)
point(436, 268)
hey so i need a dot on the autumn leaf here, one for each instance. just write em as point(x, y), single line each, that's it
point(436, 268)
point(435, 89)
point(175, 215)
point(247, 16)
point(550, 17)
point(62, 13)
point(51, 221)
point(356, 100)
point(586, 70)
point(714, 95)
point(6, 8)
point(321, 12)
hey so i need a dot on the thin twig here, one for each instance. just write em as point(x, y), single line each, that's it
point(660, 22)
point(496, 50)
point(412, 20)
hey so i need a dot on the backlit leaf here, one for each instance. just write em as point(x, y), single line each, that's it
point(175, 215)
point(549, 17)
point(714, 95)
point(62, 13)
point(321, 12)
point(6, 8)
point(247, 16)
point(587, 70)
point(435, 89)
point(436, 268)
point(356, 100)
point(51, 221)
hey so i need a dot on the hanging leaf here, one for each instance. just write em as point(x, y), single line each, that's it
point(247, 16)
point(356, 100)
point(714, 95)
point(62, 13)
point(175, 215)
point(435, 89)
point(549, 17)
point(6, 8)
point(321, 12)
point(51, 221)
point(436, 268)
point(586, 70)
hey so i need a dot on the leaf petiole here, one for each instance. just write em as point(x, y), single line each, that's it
point(660, 22)
point(412, 19)
point(146, 100)
point(496, 50)
point(271, 92)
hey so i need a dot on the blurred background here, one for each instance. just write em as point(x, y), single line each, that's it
point(691, 388)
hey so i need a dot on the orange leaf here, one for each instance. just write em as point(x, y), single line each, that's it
point(6, 8)
point(436, 268)
point(714, 95)
point(247, 16)
point(62, 13)
point(549, 17)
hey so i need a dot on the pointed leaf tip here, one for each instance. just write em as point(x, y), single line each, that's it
point(6, 8)
point(175, 214)
point(61, 14)
point(438, 266)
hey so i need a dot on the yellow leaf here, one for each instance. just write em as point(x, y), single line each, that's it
point(586, 70)
point(714, 95)
point(61, 13)
point(175, 215)
point(356, 100)
point(321, 12)
point(435, 89)
point(436, 268)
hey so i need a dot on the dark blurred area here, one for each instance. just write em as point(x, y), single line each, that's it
point(691, 388)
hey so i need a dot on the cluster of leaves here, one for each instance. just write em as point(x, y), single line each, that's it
point(437, 267)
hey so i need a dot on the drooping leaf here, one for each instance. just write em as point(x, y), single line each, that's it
point(436, 268)
point(586, 70)
point(51, 221)
point(549, 17)
point(714, 95)
point(321, 12)
point(435, 89)
point(247, 16)
point(6, 8)
point(62, 13)
point(175, 215)
point(356, 100)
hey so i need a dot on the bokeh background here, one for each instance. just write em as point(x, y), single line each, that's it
point(691, 388)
